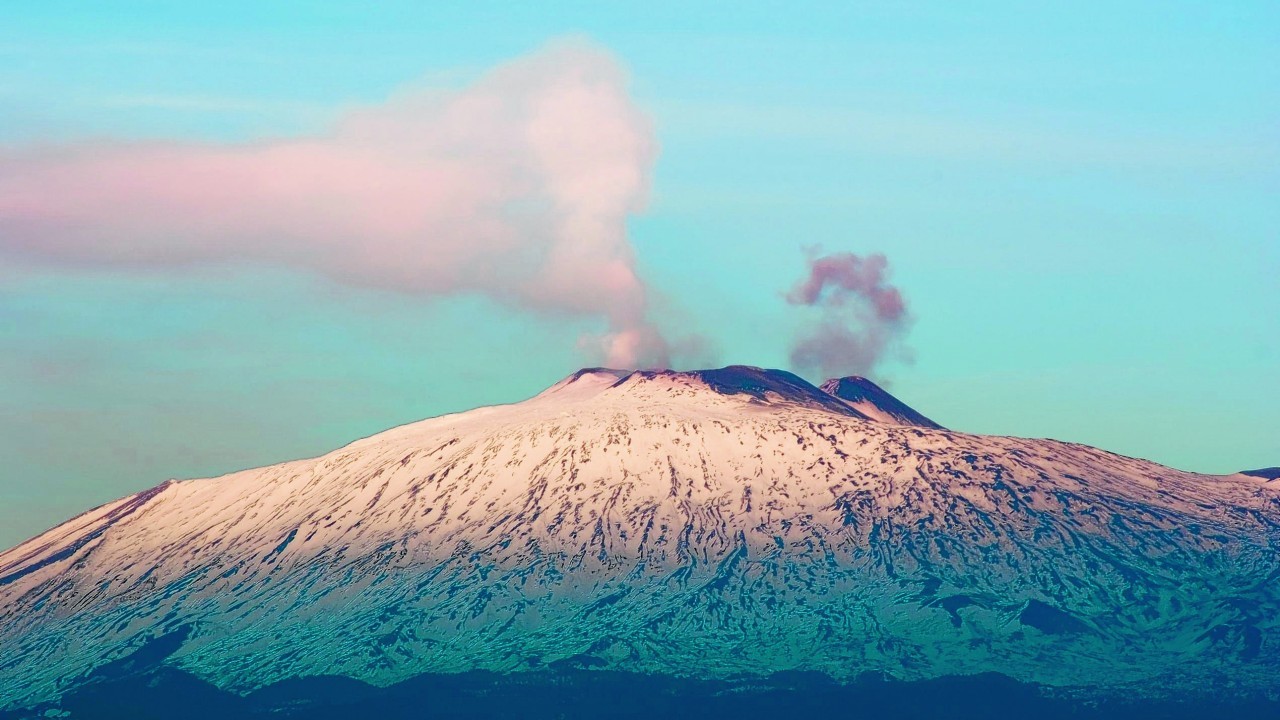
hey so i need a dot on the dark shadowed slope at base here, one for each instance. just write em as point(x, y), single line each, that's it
point(172, 694)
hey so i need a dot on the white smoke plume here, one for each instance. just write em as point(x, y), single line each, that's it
point(517, 188)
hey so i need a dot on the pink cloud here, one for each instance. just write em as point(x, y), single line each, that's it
point(517, 187)
point(862, 314)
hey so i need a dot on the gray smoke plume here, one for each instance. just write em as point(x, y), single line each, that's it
point(862, 315)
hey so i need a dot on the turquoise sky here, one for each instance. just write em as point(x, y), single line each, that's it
point(1081, 203)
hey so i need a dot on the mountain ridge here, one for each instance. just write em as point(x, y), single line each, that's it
point(874, 402)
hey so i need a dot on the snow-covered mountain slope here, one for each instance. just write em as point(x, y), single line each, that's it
point(873, 402)
point(714, 524)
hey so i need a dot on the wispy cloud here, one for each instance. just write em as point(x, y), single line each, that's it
point(206, 104)
point(1020, 137)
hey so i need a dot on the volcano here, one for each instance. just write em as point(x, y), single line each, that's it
point(730, 526)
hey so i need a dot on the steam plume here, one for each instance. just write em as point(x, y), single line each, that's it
point(517, 187)
point(862, 315)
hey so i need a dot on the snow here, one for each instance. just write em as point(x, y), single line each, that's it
point(712, 523)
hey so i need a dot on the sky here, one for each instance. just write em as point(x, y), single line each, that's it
point(1078, 204)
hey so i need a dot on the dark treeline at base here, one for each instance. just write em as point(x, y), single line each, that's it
point(165, 693)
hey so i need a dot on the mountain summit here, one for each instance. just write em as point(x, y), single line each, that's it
point(730, 523)
point(758, 384)
point(872, 401)
point(855, 396)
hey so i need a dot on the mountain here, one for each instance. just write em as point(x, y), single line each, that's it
point(874, 403)
point(722, 526)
